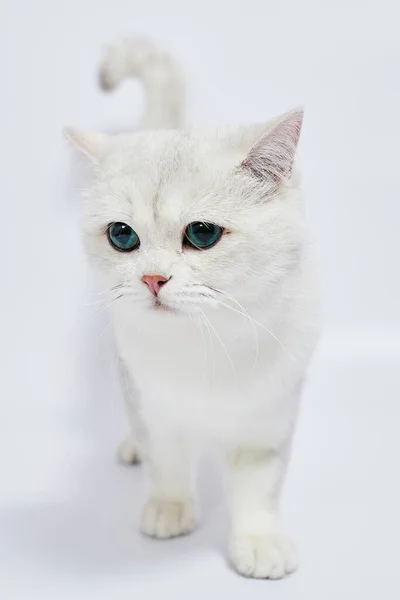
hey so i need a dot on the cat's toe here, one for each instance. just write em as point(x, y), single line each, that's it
point(127, 452)
point(165, 519)
point(264, 556)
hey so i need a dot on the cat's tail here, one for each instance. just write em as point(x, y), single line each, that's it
point(160, 74)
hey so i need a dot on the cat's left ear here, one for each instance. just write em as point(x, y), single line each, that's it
point(272, 156)
point(93, 145)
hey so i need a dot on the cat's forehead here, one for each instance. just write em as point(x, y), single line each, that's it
point(168, 173)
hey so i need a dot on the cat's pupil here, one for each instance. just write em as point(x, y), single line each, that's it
point(202, 231)
point(122, 233)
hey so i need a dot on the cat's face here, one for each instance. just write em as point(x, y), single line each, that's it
point(179, 220)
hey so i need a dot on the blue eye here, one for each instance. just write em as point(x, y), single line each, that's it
point(202, 235)
point(122, 237)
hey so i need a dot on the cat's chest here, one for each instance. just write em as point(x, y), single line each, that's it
point(182, 362)
point(183, 356)
point(199, 382)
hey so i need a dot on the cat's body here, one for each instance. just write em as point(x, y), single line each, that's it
point(216, 345)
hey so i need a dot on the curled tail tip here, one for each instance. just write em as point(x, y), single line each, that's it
point(137, 56)
point(112, 68)
point(159, 72)
point(129, 57)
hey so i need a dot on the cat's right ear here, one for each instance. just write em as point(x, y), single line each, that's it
point(92, 145)
point(272, 155)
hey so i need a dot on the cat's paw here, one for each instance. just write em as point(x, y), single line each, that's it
point(264, 556)
point(165, 519)
point(127, 452)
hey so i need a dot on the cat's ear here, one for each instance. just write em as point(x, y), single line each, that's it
point(93, 145)
point(272, 156)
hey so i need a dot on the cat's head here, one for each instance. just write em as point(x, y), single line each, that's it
point(182, 219)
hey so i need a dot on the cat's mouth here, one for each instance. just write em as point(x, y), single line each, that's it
point(160, 307)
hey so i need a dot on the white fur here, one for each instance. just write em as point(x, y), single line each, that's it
point(228, 363)
point(160, 74)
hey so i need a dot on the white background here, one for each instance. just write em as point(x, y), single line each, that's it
point(68, 512)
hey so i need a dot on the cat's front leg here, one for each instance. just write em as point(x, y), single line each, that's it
point(257, 546)
point(171, 508)
point(128, 451)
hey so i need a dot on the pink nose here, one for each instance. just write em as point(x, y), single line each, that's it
point(155, 282)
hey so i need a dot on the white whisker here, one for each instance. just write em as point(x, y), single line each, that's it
point(219, 339)
point(106, 328)
point(282, 345)
point(210, 338)
point(246, 314)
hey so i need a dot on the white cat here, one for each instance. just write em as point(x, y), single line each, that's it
point(201, 236)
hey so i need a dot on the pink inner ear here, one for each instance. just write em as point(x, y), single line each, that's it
point(273, 154)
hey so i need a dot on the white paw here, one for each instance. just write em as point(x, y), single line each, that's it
point(127, 451)
point(164, 519)
point(264, 556)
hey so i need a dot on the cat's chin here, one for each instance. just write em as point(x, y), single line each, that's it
point(160, 307)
